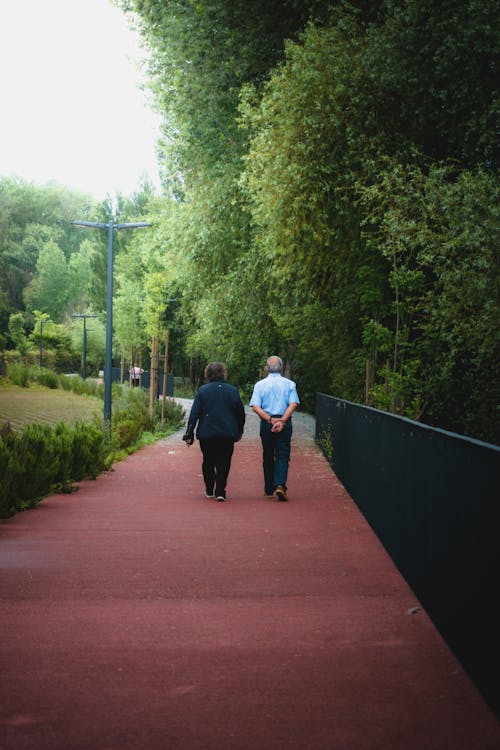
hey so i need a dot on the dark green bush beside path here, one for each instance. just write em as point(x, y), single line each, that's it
point(42, 458)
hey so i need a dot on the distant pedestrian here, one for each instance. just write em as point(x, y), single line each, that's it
point(218, 416)
point(274, 399)
point(135, 375)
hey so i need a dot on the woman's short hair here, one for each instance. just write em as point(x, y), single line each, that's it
point(215, 371)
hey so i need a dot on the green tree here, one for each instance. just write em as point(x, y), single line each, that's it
point(96, 342)
point(17, 332)
point(438, 233)
point(434, 70)
point(201, 55)
point(50, 289)
point(79, 274)
point(30, 216)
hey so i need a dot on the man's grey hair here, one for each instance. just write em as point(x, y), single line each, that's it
point(274, 364)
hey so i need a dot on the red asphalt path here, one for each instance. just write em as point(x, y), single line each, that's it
point(138, 615)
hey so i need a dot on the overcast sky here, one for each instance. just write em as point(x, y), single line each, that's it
point(71, 108)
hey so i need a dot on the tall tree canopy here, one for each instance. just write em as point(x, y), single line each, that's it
point(30, 216)
point(333, 171)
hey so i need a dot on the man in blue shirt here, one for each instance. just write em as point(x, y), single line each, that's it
point(274, 399)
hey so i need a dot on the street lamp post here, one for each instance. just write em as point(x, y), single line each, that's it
point(110, 226)
point(84, 352)
point(41, 342)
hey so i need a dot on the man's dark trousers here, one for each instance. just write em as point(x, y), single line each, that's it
point(217, 454)
point(276, 447)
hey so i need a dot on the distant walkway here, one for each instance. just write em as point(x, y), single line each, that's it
point(138, 615)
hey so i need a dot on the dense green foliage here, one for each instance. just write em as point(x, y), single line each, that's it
point(22, 375)
point(385, 238)
point(50, 271)
point(333, 170)
point(34, 230)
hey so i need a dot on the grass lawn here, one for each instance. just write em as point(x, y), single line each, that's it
point(21, 406)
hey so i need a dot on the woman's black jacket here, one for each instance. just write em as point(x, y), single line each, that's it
point(218, 410)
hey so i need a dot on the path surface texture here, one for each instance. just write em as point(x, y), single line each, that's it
point(138, 615)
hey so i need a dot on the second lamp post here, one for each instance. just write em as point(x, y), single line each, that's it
point(108, 360)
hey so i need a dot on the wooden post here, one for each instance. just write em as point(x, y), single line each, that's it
point(368, 380)
point(165, 370)
point(152, 382)
point(386, 379)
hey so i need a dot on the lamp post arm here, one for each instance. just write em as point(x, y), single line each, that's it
point(133, 225)
point(96, 224)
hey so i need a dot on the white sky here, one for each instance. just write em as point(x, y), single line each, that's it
point(71, 108)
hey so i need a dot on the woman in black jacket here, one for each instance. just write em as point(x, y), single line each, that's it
point(220, 415)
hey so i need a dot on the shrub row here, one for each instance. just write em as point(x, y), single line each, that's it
point(132, 417)
point(43, 458)
point(22, 375)
point(60, 360)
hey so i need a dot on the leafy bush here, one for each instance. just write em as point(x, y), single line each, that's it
point(65, 383)
point(66, 361)
point(35, 464)
point(88, 451)
point(127, 432)
point(82, 387)
point(44, 376)
point(19, 375)
point(173, 412)
point(184, 390)
point(42, 459)
point(132, 417)
point(7, 505)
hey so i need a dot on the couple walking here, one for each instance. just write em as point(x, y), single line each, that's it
point(218, 415)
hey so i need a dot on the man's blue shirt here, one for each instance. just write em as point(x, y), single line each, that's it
point(274, 393)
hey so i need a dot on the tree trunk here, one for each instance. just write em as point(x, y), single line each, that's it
point(368, 380)
point(165, 371)
point(152, 382)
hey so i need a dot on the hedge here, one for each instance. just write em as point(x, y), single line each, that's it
point(43, 458)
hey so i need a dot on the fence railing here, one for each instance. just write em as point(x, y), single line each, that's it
point(145, 380)
point(432, 498)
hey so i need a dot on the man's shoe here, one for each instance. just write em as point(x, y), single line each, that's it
point(222, 498)
point(281, 494)
point(207, 494)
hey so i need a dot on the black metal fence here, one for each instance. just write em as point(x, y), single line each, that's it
point(145, 380)
point(432, 498)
